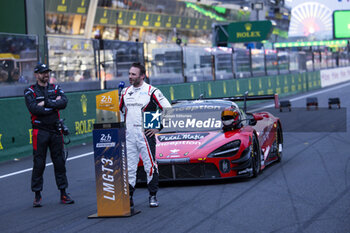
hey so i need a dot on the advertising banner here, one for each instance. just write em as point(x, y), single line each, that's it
point(249, 31)
point(112, 187)
point(334, 76)
point(121, 17)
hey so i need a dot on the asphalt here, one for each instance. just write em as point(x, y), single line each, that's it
point(307, 192)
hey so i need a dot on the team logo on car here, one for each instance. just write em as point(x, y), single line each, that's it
point(174, 151)
point(151, 120)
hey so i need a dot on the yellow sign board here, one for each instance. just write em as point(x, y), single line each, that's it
point(107, 107)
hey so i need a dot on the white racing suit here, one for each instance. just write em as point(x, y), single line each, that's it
point(133, 102)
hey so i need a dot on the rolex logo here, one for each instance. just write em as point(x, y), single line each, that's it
point(1, 147)
point(83, 101)
point(248, 26)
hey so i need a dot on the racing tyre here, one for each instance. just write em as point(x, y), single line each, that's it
point(255, 157)
point(279, 143)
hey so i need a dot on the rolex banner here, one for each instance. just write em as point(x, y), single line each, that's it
point(112, 189)
point(241, 32)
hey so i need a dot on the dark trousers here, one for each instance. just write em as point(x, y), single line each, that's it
point(42, 140)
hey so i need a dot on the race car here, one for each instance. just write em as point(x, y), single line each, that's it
point(215, 139)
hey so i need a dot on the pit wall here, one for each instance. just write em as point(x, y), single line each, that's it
point(283, 85)
point(80, 114)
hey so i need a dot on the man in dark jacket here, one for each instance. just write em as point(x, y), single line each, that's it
point(44, 100)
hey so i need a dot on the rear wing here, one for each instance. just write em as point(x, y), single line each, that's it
point(244, 98)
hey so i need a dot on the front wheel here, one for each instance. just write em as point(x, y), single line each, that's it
point(255, 157)
point(279, 143)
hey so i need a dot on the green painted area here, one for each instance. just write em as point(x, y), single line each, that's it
point(12, 17)
point(341, 22)
point(80, 114)
point(205, 12)
point(68, 6)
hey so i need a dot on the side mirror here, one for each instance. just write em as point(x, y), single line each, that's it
point(258, 117)
point(254, 118)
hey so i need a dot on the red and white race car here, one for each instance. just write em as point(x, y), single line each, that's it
point(196, 144)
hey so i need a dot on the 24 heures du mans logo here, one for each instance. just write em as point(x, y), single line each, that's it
point(105, 141)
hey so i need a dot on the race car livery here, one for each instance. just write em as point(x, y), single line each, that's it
point(194, 144)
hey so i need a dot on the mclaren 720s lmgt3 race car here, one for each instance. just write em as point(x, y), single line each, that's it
point(215, 139)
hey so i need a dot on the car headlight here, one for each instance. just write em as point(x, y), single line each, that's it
point(227, 150)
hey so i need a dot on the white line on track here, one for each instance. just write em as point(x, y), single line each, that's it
point(48, 164)
point(304, 96)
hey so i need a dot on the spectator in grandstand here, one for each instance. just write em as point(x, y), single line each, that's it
point(22, 79)
point(44, 100)
point(86, 74)
point(3, 76)
point(52, 78)
point(15, 75)
point(78, 76)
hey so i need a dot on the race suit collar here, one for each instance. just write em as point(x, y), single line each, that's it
point(140, 87)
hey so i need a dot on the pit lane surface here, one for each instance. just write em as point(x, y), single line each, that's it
point(309, 191)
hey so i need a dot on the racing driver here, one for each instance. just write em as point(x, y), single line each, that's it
point(141, 97)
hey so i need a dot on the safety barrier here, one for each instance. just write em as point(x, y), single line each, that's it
point(16, 130)
point(80, 114)
point(286, 84)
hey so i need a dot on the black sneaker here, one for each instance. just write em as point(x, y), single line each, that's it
point(153, 202)
point(65, 199)
point(37, 202)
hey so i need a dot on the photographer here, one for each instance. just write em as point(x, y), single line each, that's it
point(44, 101)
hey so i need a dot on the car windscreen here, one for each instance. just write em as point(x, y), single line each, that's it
point(192, 117)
